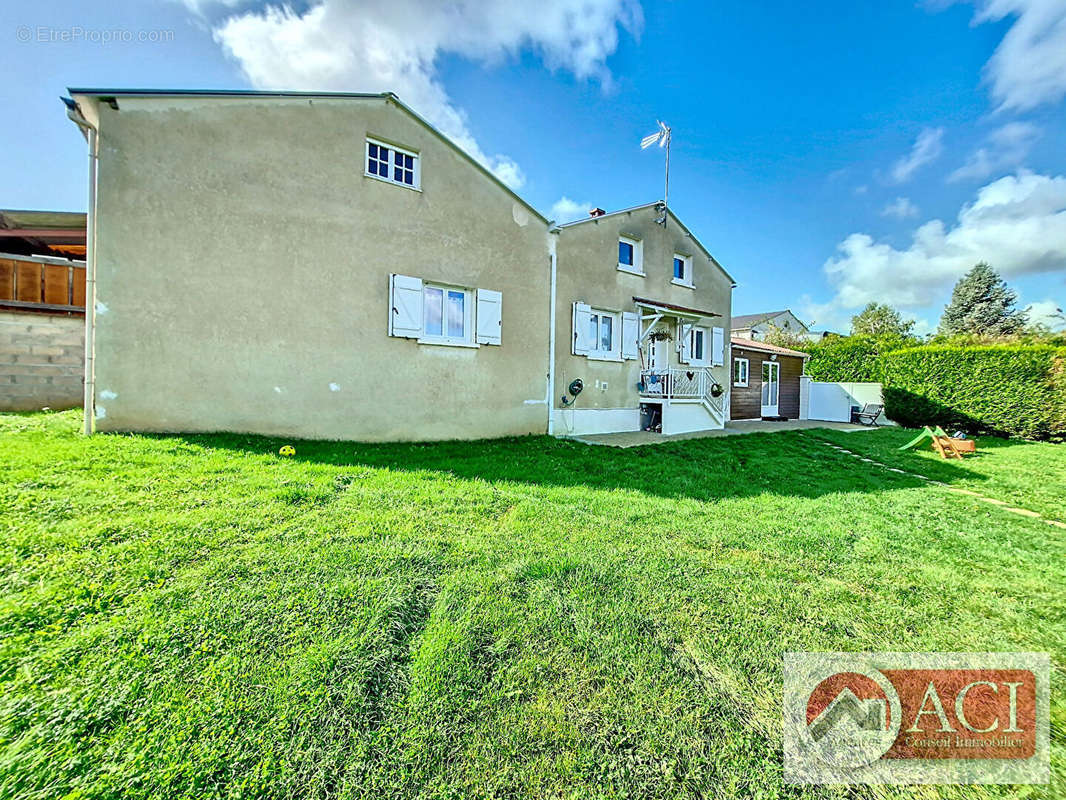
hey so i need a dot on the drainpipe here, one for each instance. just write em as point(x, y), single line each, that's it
point(88, 403)
point(553, 240)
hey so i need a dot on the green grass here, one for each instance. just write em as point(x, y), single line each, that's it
point(1028, 474)
point(195, 616)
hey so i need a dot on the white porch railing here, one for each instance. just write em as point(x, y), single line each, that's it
point(684, 384)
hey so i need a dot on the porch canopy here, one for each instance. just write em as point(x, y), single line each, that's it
point(651, 311)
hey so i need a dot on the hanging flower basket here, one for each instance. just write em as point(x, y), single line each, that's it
point(660, 335)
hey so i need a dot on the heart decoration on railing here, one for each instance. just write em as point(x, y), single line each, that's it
point(690, 375)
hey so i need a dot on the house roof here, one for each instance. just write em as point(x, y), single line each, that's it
point(115, 94)
point(669, 211)
point(747, 320)
point(763, 347)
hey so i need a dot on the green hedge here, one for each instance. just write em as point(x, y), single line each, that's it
point(854, 358)
point(1017, 390)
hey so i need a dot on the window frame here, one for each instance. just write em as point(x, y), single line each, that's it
point(704, 337)
point(416, 165)
point(615, 353)
point(637, 267)
point(687, 281)
point(469, 338)
point(747, 372)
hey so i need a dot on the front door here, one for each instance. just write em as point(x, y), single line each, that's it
point(771, 377)
point(658, 355)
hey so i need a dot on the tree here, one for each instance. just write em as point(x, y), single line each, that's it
point(878, 319)
point(982, 305)
point(785, 338)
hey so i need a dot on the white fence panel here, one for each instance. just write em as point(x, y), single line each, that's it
point(832, 402)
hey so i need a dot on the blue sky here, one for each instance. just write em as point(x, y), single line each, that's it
point(828, 154)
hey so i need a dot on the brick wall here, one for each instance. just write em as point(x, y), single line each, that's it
point(41, 357)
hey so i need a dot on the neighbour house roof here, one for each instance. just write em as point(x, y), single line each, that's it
point(674, 216)
point(113, 95)
point(763, 347)
point(747, 320)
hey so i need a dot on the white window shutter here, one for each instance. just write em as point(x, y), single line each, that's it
point(582, 312)
point(405, 306)
point(717, 347)
point(489, 317)
point(686, 342)
point(630, 333)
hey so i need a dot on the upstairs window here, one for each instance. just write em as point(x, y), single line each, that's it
point(387, 162)
point(630, 255)
point(682, 270)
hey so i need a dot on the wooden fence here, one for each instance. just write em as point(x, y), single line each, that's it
point(41, 283)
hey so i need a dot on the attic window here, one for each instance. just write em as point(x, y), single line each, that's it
point(387, 162)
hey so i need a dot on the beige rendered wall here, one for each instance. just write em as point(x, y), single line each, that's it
point(41, 357)
point(243, 276)
point(588, 272)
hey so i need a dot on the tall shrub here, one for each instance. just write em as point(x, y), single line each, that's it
point(1017, 390)
point(853, 358)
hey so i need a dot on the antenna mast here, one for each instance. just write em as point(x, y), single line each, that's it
point(662, 138)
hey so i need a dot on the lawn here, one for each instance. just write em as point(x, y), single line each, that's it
point(195, 616)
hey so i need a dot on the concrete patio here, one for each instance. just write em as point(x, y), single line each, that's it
point(732, 428)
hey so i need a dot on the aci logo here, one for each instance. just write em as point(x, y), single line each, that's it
point(916, 718)
point(852, 718)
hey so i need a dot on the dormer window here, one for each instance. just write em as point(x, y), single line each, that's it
point(393, 164)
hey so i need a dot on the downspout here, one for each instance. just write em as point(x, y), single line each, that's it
point(88, 403)
point(553, 240)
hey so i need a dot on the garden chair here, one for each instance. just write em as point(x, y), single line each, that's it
point(869, 414)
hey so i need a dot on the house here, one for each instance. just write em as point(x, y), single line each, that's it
point(766, 380)
point(756, 326)
point(308, 264)
point(641, 313)
point(331, 266)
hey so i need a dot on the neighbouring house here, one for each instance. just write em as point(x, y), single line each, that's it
point(766, 380)
point(331, 266)
point(641, 313)
point(42, 310)
point(756, 326)
point(316, 265)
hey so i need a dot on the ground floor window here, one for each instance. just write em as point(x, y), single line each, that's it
point(447, 315)
point(602, 331)
point(740, 372)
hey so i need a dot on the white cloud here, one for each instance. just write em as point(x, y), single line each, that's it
point(1017, 224)
point(926, 149)
point(1005, 148)
point(1046, 312)
point(1029, 66)
point(566, 210)
point(394, 45)
point(863, 189)
point(900, 208)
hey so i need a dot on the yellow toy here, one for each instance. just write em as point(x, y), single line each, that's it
point(287, 450)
